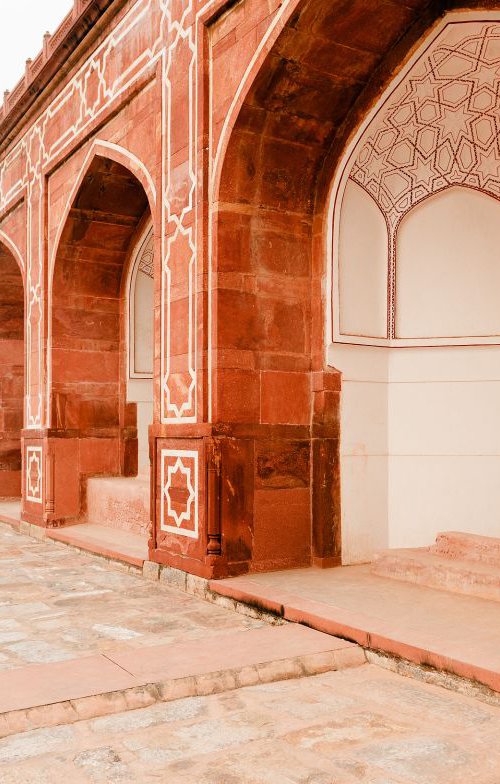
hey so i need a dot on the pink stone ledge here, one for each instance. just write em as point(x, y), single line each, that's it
point(373, 633)
point(125, 678)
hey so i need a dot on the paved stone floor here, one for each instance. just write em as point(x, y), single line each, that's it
point(57, 604)
point(359, 726)
point(363, 725)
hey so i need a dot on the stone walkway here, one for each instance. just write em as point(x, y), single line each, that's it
point(362, 725)
point(57, 604)
point(80, 639)
point(359, 726)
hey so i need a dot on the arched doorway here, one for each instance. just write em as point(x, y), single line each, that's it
point(92, 399)
point(11, 381)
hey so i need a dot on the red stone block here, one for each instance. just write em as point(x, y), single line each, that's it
point(285, 398)
point(282, 529)
point(282, 464)
point(10, 484)
point(238, 396)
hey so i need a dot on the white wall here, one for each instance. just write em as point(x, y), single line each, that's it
point(420, 425)
point(141, 343)
point(448, 267)
point(420, 444)
point(363, 247)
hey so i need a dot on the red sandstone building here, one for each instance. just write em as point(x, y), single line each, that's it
point(250, 289)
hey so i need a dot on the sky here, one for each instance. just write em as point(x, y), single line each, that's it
point(22, 25)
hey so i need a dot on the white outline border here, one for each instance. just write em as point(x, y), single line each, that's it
point(37, 450)
point(179, 454)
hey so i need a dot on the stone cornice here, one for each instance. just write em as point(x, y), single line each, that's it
point(57, 50)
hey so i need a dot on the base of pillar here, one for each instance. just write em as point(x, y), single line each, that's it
point(327, 563)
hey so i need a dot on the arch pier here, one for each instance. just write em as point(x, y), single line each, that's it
point(250, 287)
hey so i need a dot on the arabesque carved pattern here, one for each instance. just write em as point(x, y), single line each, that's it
point(441, 125)
point(146, 259)
point(34, 474)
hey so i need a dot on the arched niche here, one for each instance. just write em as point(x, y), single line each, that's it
point(268, 289)
point(420, 425)
point(363, 251)
point(448, 267)
point(140, 338)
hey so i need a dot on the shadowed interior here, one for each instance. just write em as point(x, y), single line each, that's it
point(11, 373)
point(88, 332)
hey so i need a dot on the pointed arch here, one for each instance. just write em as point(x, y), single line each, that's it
point(99, 148)
point(12, 366)
point(12, 247)
point(104, 149)
point(107, 210)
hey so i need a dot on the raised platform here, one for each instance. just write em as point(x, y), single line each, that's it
point(458, 562)
point(109, 542)
point(10, 511)
point(116, 536)
point(119, 502)
point(448, 631)
point(117, 525)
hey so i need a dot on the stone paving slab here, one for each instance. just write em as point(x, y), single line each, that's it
point(358, 726)
point(46, 684)
point(239, 650)
point(238, 654)
point(451, 632)
point(57, 604)
point(81, 639)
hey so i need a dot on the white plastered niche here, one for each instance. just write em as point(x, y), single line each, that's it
point(140, 340)
point(416, 302)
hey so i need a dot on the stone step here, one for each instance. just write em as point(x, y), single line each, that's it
point(468, 547)
point(425, 567)
point(119, 502)
point(126, 678)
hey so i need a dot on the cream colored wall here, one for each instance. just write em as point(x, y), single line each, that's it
point(444, 443)
point(140, 391)
point(420, 444)
point(363, 248)
point(364, 449)
point(448, 267)
point(141, 344)
point(143, 313)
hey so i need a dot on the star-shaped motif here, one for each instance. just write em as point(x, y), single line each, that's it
point(34, 475)
point(409, 131)
point(453, 123)
point(423, 171)
point(377, 166)
point(423, 88)
point(488, 166)
point(184, 491)
point(486, 75)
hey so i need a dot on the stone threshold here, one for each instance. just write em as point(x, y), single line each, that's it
point(128, 678)
point(411, 642)
point(243, 596)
